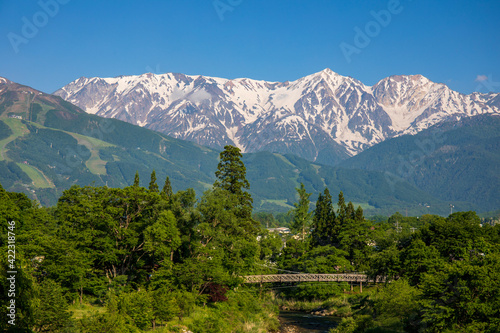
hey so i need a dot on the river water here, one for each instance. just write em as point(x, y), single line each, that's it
point(303, 322)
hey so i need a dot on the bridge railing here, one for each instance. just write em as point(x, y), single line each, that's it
point(342, 277)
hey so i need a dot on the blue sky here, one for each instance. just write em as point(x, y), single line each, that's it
point(455, 42)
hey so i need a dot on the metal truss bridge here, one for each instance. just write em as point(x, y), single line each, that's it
point(342, 277)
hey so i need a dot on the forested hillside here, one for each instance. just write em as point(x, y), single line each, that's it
point(140, 258)
point(455, 161)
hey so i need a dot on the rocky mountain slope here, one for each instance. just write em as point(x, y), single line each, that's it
point(48, 145)
point(323, 117)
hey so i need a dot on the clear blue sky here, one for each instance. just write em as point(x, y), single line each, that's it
point(455, 42)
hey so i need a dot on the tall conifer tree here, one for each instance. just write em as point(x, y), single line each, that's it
point(153, 187)
point(341, 211)
point(358, 215)
point(136, 179)
point(350, 214)
point(323, 220)
point(167, 189)
point(301, 214)
point(231, 177)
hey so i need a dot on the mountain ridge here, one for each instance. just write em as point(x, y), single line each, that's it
point(323, 117)
point(48, 145)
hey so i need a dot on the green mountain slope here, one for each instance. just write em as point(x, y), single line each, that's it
point(273, 179)
point(47, 145)
point(454, 161)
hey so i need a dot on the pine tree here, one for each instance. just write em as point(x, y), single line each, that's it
point(153, 187)
point(231, 172)
point(358, 215)
point(136, 179)
point(351, 232)
point(341, 211)
point(226, 220)
point(323, 221)
point(167, 189)
point(339, 222)
point(301, 214)
point(51, 315)
point(350, 214)
point(231, 177)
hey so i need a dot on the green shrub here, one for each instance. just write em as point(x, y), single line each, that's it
point(109, 323)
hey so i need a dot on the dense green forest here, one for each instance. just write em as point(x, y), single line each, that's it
point(138, 259)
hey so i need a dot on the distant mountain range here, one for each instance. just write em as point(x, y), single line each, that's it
point(323, 117)
point(48, 144)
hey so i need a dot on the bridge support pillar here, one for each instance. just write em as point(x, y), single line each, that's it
point(260, 290)
point(352, 287)
point(360, 287)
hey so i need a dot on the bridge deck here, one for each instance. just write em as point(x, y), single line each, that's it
point(346, 277)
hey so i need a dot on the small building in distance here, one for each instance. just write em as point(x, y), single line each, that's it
point(280, 230)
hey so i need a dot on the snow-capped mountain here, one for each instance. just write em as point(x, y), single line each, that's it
point(323, 117)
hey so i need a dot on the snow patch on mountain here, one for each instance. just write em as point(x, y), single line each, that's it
point(318, 112)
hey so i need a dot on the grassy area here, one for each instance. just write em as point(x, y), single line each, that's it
point(41, 116)
point(95, 164)
point(202, 148)
point(281, 203)
point(38, 178)
point(79, 311)
point(364, 205)
point(18, 129)
point(339, 306)
point(242, 312)
point(89, 142)
point(207, 186)
point(283, 158)
point(317, 168)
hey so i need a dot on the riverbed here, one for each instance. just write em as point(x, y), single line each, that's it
point(303, 322)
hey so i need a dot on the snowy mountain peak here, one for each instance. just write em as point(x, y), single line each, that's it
point(323, 116)
point(325, 74)
point(328, 72)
